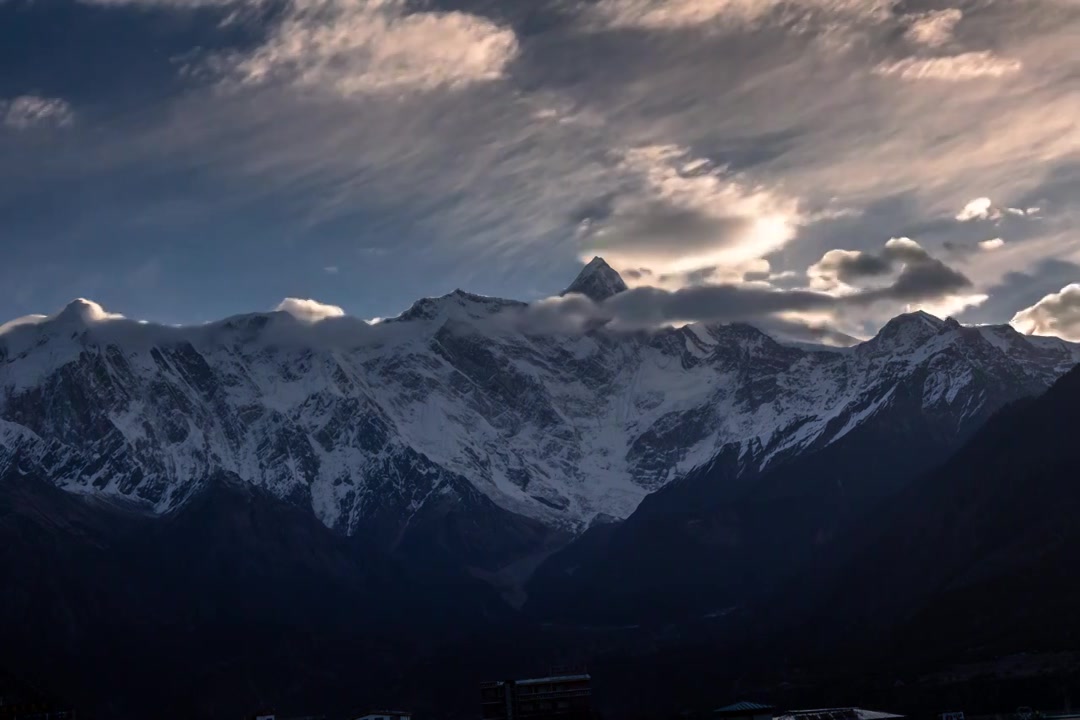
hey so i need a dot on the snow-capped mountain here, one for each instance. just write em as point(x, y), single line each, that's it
point(597, 281)
point(371, 423)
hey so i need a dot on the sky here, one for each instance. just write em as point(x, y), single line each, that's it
point(820, 163)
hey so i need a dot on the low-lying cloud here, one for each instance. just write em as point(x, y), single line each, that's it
point(1056, 314)
point(914, 277)
point(309, 310)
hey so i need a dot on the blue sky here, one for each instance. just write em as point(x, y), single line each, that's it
point(183, 160)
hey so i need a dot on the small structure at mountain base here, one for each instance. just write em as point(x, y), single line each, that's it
point(559, 697)
point(385, 715)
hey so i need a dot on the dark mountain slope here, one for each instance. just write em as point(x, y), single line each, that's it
point(979, 558)
point(724, 537)
point(235, 602)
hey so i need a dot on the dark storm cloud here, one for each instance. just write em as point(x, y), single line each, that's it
point(919, 269)
point(862, 265)
point(926, 280)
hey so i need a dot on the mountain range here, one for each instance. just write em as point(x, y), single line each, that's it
point(453, 476)
point(366, 425)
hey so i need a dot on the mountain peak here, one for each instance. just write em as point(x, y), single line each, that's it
point(597, 281)
point(920, 319)
point(907, 330)
point(459, 304)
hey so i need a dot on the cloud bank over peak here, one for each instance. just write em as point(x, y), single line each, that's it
point(308, 310)
point(80, 312)
point(1056, 314)
point(843, 282)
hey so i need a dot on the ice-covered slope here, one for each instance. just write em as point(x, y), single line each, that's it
point(368, 424)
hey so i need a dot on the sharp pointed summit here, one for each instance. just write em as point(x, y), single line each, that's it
point(597, 281)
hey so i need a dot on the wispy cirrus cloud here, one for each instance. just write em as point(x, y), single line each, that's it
point(799, 15)
point(952, 68)
point(180, 4)
point(694, 142)
point(29, 111)
point(686, 215)
point(354, 47)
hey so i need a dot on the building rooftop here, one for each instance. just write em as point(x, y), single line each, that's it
point(848, 713)
point(743, 706)
point(553, 678)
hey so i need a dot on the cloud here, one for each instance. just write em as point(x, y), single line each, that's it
point(1012, 289)
point(331, 269)
point(978, 209)
point(902, 273)
point(951, 68)
point(752, 107)
point(86, 311)
point(838, 268)
point(915, 273)
point(983, 209)
point(356, 47)
point(917, 280)
point(79, 311)
point(799, 330)
point(686, 217)
point(1056, 314)
point(168, 3)
point(992, 244)
point(310, 311)
point(676, 14)
point(27, 111)
point(21, 322)
point(934, 28)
